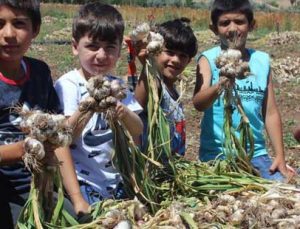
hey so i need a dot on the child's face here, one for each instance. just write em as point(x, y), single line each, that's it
point(171, 63)
point(16, 33)
point(96, 57)
point(233, 28)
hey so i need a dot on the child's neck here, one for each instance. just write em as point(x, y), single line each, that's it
point(12, 71)
point(84, 74)
point(171, 89)
point(169, 83)
point(87, 75)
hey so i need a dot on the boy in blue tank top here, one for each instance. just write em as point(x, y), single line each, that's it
point(256, 92)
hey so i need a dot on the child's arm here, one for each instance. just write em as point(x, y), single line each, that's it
point(205, 94)
point(70, 180)
point(274, 130)
point(131, 120)
point(78, 121)
point(11, 153)
point(67, 91)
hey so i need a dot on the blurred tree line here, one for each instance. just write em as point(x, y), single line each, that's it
point(150, 3)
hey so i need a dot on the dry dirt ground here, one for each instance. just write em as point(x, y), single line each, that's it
point(288, 101)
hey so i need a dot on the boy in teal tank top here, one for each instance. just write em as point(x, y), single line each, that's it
point(231, 21)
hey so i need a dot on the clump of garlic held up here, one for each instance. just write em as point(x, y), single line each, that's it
point(140, 32)
point(104, 94)
point(42, 128)
point(154, 41)
point(231, 65)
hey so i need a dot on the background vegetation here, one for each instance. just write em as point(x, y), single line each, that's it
point(266, 5)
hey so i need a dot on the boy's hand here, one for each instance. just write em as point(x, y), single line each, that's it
point(141, 50)
point(81, 207)
point(224, 82)
point(121, 110)
point(79, 204)
point(280, 165)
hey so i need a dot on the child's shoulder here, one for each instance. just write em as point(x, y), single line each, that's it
point(72, 76)
point(212, 52)
point(38, 69)
point(257, 55)
point(257, 52)
point(36, 63)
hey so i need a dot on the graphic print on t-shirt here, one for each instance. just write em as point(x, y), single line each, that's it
point(100, 135)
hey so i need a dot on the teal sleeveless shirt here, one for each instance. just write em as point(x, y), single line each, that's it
point(251, 90)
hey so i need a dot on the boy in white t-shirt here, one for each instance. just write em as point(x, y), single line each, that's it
point(97, 38)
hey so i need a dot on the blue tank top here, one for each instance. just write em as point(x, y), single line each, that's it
point(252, 92)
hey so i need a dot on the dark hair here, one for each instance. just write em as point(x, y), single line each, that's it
point(224, 6)
point(99, 21)
point(31, 7)
point(178, 35)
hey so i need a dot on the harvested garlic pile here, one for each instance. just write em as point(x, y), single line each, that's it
point(154, 41)
point(277, 208)
point(42, 128)
point(104, 94)
point(231, 65)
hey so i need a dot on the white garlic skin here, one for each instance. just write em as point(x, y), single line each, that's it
point(34, 147)
point(124, 224)
point(140, 32)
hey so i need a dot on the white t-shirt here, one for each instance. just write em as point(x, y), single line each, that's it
point(93, 150)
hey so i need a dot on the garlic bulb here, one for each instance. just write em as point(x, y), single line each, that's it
point(104, 92)
point(140, 32)
point(155, 43)
point(231, 65)
point(34, 147)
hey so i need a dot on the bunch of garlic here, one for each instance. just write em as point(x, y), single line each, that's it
point(42, 128)
point(154, 41)
point(46, 127)
point(231, 65)
point(104, 94)
point(140, 32)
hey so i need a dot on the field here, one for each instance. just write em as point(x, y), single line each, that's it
point(53, 46)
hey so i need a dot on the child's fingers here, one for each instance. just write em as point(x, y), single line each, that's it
point(120, 110)
point(291, 169)
point(141, 51)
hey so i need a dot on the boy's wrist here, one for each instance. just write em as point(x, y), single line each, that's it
point(75, 196)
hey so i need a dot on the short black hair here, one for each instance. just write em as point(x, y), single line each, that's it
point(224, 6)
point(31, 7)
point(99, 21)
point(178, 35)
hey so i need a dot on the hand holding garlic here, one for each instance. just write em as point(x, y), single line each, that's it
point(231, 65)
point(154, 41)
point(104, 94)
point(45, 133)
